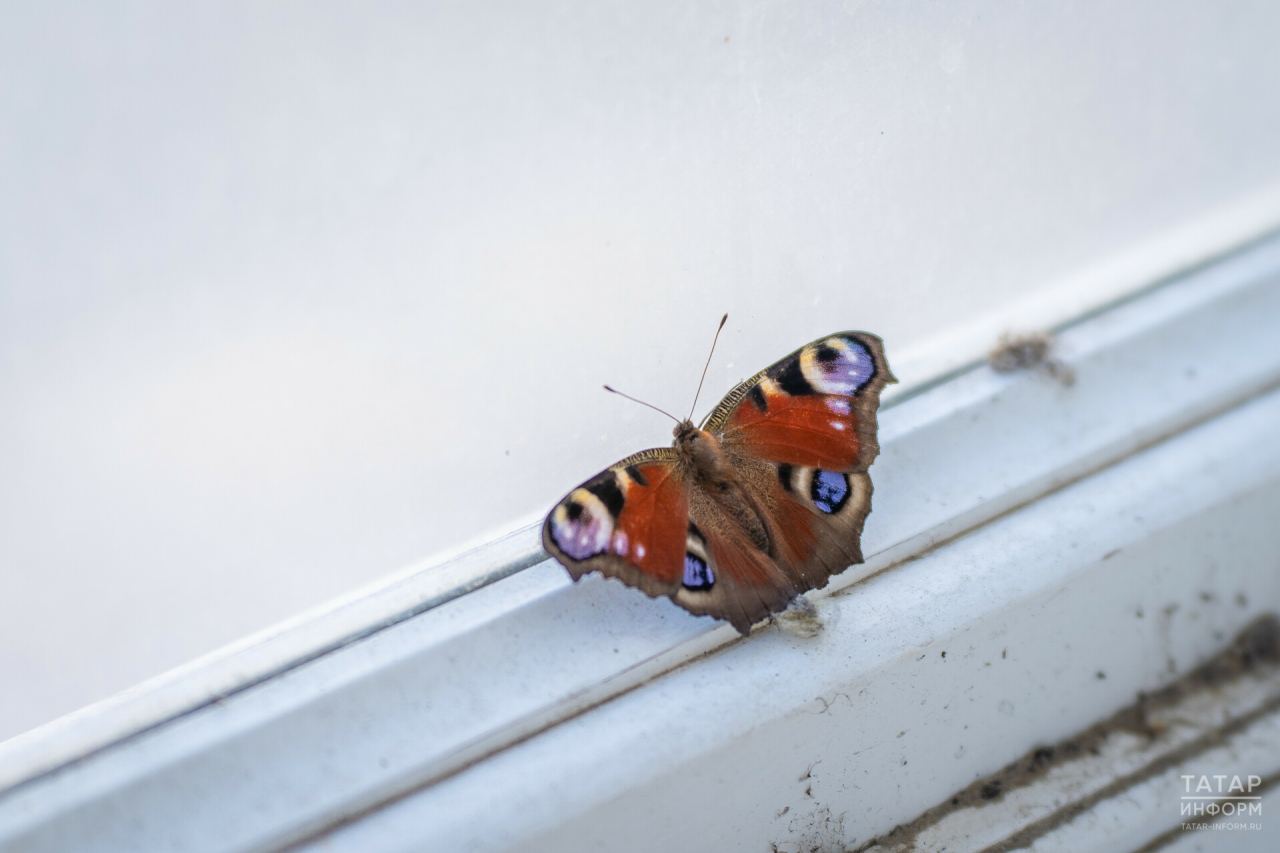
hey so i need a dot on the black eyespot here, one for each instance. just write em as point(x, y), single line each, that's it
point(790, 378)
point(605, 487)
point(636, 477)
point(573, 509)
point(826, 353)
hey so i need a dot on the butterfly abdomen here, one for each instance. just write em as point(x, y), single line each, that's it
point(722, 494)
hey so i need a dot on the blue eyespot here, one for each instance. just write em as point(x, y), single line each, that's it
point(829, 491)
point(840, 365)
point(697, 574)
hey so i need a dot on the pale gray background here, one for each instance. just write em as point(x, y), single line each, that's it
point(295, 294)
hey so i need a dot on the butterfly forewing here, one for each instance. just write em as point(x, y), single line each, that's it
point(628, 521)
point(816, 407)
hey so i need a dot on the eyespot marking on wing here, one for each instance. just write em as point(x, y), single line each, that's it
point(697, 574)
point(829, 491)
point(837, 365)
point(582, 525)
point(607, 488)
point(791, 377)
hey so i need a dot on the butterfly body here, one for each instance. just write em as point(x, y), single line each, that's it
point(763, 501)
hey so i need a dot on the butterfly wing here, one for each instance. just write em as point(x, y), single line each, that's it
point(801, 435)
point(629, 522)
point(816, 407)
point(640, 522)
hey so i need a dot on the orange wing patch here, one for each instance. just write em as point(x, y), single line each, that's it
point(816, 430)
point(651, 529)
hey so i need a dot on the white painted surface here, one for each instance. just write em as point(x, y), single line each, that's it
point(508, 681)
point(961, 446)
point(263, 655)
point(850, 735)
point(282, 286)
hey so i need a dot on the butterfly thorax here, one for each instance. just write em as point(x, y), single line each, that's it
point(701, 452)
point(702, 456)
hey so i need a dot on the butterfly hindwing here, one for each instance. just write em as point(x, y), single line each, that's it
point(835, 505)
point(814, 515)
point(728, 548)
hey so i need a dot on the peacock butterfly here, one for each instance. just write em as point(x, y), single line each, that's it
point(764, 501)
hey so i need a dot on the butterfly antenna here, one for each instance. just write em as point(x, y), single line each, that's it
point(641, 402)
point(723, 320)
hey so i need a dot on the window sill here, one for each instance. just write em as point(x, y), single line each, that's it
point(1037, 534)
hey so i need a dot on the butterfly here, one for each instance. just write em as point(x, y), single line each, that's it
point(762, 501)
